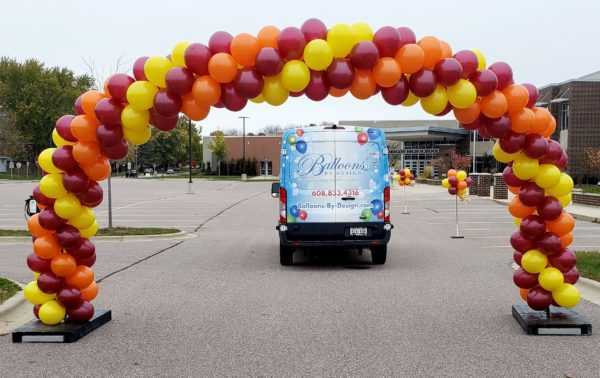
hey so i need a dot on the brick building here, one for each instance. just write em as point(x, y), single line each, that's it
point(264, 149)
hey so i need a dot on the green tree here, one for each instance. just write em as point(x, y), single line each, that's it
point(218, 147)
point(35, 96)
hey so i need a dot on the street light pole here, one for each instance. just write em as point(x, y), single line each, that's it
point(243, 118)
point(190, 155)
point(474, 151)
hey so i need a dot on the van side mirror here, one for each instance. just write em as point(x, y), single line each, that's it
point(275, 190)
point(31, 207)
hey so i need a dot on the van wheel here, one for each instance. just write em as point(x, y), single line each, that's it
point(286, 255)
point(379, 254)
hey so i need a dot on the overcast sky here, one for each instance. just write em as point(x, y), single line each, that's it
point(543, 41)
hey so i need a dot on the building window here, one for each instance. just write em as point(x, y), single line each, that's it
point(563, 116)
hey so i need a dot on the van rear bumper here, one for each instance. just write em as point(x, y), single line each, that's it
point(333, 234)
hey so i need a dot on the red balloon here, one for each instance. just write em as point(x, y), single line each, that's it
point(248, 83)
point(340, 74)
point(49, 283)
point(83, 250)
point(452, 190)
point(512, 142)
point(387, 40)
point(549, 244)
point(231, 99)
point(485, 82)
point(510, 179)
point(196, 58)
point(268, 62)
point(297, 94)
point(446, 110)
point(70, 297)
point(572, 276)
point(479, 124)
point(180, 80)
point(553, 152)
point(75, 181)
point(525, 280)
point(317, 88)
point(219, 42)
point(564, 261)
point(313, 29)
point(396, 94)
point(539, 299)
point(448, 71)
point(92, 197)
point(531, 195)
point(163, 123)
point(563, 161)
point(364, 55)
point(81, 313)
point(108, 111)
point(138, 68)
point(504, 74)
point(468, 61)
point(534, 93)
point(483, 131)
point(68, 236)
point(49, 220)
point(532, 227)
point(517, 256)
point(117, 86)
point(550, 209)
point(109, 136)
point(453, 181)
point(63, 158)
point(87, 261)
point(63, 128)
point(423, 83)
point(406, 36)
point(535, 146)
point(520, 243)
point(167, 104)
point(291, 43)
point(499, 127)
point(38, 264)
point(77, 107)
point(116, 151)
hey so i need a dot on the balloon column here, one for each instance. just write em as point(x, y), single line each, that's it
point(316, 62)
point(457, 183)
point(405, 177)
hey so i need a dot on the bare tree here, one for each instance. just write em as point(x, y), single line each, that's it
point(101, 74)
point(271, 130)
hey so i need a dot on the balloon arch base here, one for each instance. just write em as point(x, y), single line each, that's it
point(552, 322)
point(67, 332)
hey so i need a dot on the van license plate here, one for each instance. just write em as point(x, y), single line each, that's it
point(359, 231)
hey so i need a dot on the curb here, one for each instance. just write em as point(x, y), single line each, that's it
point(115, 237)
point(582, 217)
point(14, 301)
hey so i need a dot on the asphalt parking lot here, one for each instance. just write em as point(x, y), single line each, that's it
point(219, 303)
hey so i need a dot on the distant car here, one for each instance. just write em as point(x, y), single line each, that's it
point(170, 171)
point(148, 170)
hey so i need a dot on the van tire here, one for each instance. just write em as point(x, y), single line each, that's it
point(379, 254)
point(286, 255)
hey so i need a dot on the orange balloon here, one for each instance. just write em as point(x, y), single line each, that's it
point(451, 172)
point(561, 225)
point(206, 91)
point(411, 58)
point(550, 128)
point(494, 105)
point(461, 185)
point(83, 127)
point(86, 153)
point(336, 92)
point(63, 265)
point(192, 109)
point(514, 189)
point(541, 121)
point(468, 115)
point(89, 100)
point(446, 50)
point(81, 278)
point(387, 72)
point(433, 51)
point(517, 97)
point(98, 170)
point(222, 67)
point(35, 228)
point(522, 121)
point(523, 293)
point(244, 48)
point(267, 36)
point(518, 210)
point(90, 292)
point(566, 240)
point(46, 247)
point(106, 92)
point(363, 85)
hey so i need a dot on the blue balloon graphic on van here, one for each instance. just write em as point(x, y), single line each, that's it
point(373, 133)
point(294, 211)
point(301, 146)
point(376, 206)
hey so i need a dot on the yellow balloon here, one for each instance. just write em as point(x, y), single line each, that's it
point(534, 261)
point(36, 275)
point(317, 55)
point(52, 186)
point(60, 141)
point(341, 39)
point(565, 200)
point(503, 156)
point(90, 231)
point(178, 54)
point(273, 91)
point(547, 176)
point(436, 102)
point(525, 167)
point(410, 100)
point(52, 313)
point(34, 295)
point(67, 207)
point(551, 279)
point(136, 120)
point(258, 99)
point(140, 95)
point(445, 183)
point(84, 220)
point(461, 175)
point(362, 32)
point(566, 295)
point(517, 221)
point(136, 136)
point(156, 68)
point(45, 161)
point(462, 94)
point(563, 187)
point(481, 63)
point(295, 76)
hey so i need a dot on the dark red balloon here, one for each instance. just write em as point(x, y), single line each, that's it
point(268, 62)
point(180, 80)
point(423, 83)
point(36, 310)
point(364, 55)
point(297, 94)
point(479, 124)
point(499, 127)
point(531, 195)
point(63, 128)
point(163, 123)
point(512, 142)
point(563, 161)
point(49, 220)
point(485, 82)
point(504, 74)
point(290, 43)
point(87, 261)
point(75, 181)
point(117, 86)
point(448, 71)
point(452, 190)
point(109, 136)
point(49, 283)
point(248, 83)
point(572, 276)
point(196, 58)
point(553, 153)
point(68, 236)
point(167, 104)
point(219, 42)
point(92, 197)
point(517, 256)
point(77, 108)
point(564, 261)
point(108, 112)
point(549, 209)
point(535, 146)
point(406, 36)
point(453, 181)
point(483, 131)
point(468, 61)
point(231, 99)
point(387, 40)
point(532, 227)
point(534, 93)
point(63, 158)
point(396, 94)
point(510, 179)
point(539, 299)
point(520, 243)
point(70, 297)
point(81, 313)
point(469, 181)
point(318, 87)
point(117, 151)
point(446, 110)
point(340, 74)
point(138, 68)
point(38, 264)
point(83, 250)
point(313, 28)
point(524, 280)
point(549, 244)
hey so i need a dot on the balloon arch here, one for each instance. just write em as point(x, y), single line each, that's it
point(315, 62)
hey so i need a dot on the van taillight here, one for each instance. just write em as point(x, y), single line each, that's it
point(386, 203)
point(282, 206)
